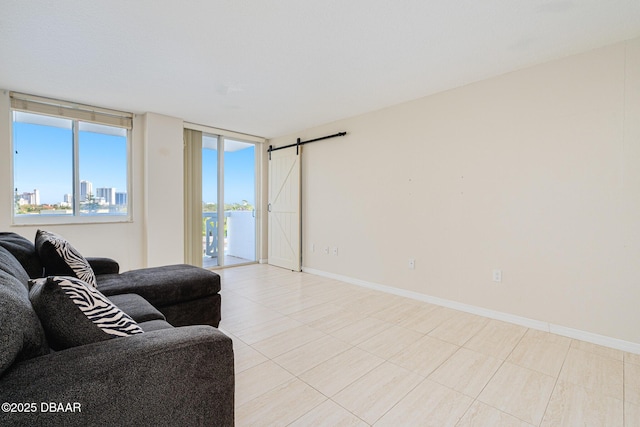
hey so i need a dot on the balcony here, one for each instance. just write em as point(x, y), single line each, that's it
point(239, 238)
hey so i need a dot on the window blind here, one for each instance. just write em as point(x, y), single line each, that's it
point(71, 110)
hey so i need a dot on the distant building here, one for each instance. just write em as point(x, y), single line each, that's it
point(108, 194)
point(67, 200)
point(86, 188)
point(121, 199)
point(29, 198)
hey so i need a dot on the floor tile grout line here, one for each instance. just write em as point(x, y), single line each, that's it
point(483, 387)
point(555, 385)
point(331, 397)
point(400, 400)
point(309, 385)
point(348, 410)
point(492, 377)
point(624, 400)
point(291, 349)
point(303, 415)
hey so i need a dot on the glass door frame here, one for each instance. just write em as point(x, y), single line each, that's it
point(220, 196)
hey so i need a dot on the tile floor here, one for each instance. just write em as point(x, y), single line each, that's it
point(312, 351)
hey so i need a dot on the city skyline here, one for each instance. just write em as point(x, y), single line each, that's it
point(109, 194)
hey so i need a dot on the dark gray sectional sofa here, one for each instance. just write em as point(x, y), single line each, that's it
point(180, 371)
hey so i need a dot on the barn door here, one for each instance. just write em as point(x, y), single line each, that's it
point(284, 209)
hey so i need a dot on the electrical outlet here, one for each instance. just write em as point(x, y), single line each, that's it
point(326, 250)
point(412, 264)
point(335, 251)
point(497, 275)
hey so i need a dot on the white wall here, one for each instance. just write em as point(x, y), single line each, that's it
point(164, 190)
point(154, 236)
point(535, 172)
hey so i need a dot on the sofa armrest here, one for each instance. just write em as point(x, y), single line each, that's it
point(178, 376)
point(103, 265)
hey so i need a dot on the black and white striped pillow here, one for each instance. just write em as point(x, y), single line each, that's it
point(74, 313)
point(60, 258)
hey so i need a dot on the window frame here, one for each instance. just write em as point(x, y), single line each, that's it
point(76, 113)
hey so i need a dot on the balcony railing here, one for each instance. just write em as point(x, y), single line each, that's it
point(240, 234)
point(211, 233)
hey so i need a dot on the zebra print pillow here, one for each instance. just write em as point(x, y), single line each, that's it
point(74, 313)
point(61, 259)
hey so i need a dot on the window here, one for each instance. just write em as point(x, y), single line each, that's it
point(71, 162)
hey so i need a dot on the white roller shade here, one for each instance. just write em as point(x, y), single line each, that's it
point(85, 113)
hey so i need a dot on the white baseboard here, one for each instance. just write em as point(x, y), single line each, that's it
point(263, 261)
point(603, 340)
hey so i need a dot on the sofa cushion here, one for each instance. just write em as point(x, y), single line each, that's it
point(9, 264)
point(21, 334)
point(24, 251)
point(74, 313)
point(102, 265)
point(136, 307)
point(60, 258)
point(163, 286)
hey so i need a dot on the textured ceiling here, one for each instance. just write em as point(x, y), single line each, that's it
point(273, 67)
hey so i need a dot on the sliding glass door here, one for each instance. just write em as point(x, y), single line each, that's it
point(239, 201)
point(228, 201)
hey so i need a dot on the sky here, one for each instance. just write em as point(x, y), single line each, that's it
point(239, 176)
point(43, 159)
